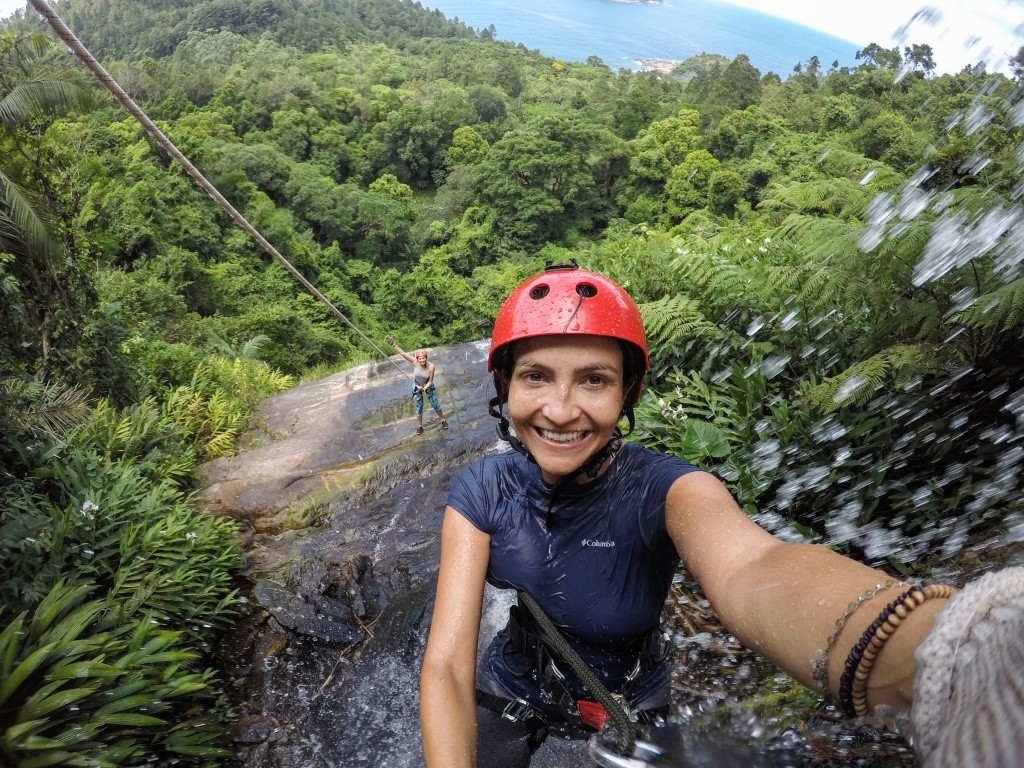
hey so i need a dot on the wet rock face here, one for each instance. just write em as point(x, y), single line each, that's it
point(341, 502)
point(346, 433)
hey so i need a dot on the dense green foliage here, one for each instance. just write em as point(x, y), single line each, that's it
point(828, 265)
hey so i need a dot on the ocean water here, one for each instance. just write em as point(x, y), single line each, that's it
point(620, 33)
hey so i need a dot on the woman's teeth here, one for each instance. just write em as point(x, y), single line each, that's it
point(562, 437)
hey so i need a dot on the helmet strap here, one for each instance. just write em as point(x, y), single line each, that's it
point(592, 468)
point(494, 407)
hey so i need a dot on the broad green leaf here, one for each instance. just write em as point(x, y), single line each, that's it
point(198, 751)
point(703, 439)
point(56, 757)
point(44, 704)
point(21, 672)
point(9, 644)
point(59, 599)
point(85, 669)
point(16, 733)
point(74, 735)
point(128, 702)
point(71, 626)
point(130, 719)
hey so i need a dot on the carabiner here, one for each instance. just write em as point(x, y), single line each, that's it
point(603, 753)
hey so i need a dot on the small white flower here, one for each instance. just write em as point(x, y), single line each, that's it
point(767, 239)
point(192, 536)
point(89, 509)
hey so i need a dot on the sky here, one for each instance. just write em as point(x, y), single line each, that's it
point(960, 32)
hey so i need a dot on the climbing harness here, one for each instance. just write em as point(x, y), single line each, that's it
point(617, 737)
point(533, 633)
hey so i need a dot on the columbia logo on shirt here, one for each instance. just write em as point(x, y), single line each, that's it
point(596, 543)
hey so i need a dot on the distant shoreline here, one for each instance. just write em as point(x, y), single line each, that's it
point(664, 66)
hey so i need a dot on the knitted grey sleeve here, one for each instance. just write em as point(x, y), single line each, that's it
point(968, 707)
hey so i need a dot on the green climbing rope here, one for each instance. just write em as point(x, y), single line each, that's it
point(627, 731)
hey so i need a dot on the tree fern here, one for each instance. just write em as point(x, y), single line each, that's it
point(706, 272)
point(867, 173)
point(820, 239)
point(675, 319)
point(998, 312)
point(812, 286)
point(859, 384)
point(895, 254)
point(920, 317)
point(821, 197)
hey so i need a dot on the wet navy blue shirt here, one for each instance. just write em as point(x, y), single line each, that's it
point(603, 569)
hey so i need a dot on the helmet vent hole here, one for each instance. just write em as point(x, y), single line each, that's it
point(539, 292)
point(586, 290)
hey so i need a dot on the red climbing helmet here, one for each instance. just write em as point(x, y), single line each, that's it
point(565, 299)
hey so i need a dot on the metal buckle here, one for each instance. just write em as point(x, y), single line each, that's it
point(552, 672)
point(635, 673)
point(602, 751)
point(517, 711)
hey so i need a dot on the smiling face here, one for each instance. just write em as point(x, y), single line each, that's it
point(421, 357)
point(565, 396)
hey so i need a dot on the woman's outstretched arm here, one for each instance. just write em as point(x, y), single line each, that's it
point(783, 600)
point(402, 352)
point(448, 676)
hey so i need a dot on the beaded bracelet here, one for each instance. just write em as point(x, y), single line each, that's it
point(853, 683)
point(819, 665)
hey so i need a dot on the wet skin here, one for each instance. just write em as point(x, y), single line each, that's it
point(564, 399)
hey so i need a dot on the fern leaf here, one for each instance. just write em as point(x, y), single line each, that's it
point(859, 383)
point(674, 319)
point(997, 312)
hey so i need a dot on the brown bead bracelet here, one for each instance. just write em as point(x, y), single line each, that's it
point(819, 665)
point(853, 684)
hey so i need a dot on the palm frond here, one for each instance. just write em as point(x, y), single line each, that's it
point(22, 229)
point(51, 409)
point(43, 96)
point(219, 345)
point(251, 349)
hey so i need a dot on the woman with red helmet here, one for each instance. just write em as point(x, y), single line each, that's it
point(591, 528)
